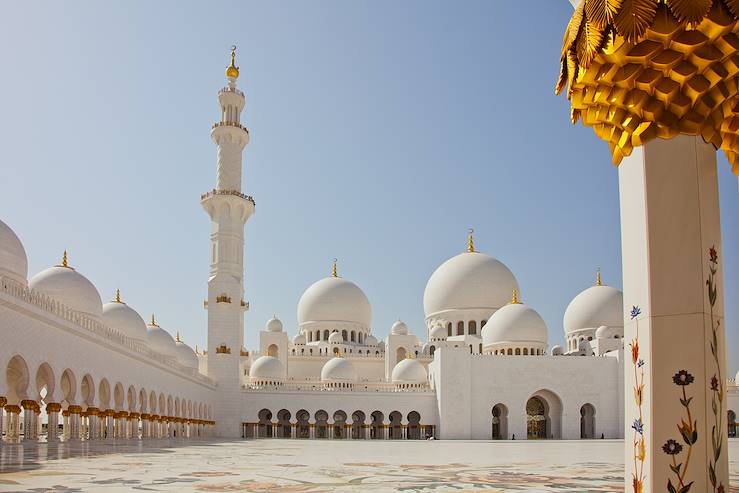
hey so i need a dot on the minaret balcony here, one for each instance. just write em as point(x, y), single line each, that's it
point(231, 202)
point(231, 89)
point(230, 131)
point(230, 124)
point(214, 192)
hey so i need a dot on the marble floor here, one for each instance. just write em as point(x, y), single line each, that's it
point(322, 466)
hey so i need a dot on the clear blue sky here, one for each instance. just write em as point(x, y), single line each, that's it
point(380, 132)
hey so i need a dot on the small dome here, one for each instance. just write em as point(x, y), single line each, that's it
point(338, 370)
point(409, 371)
point(70, 288)
point(514, 323)
point(160, 340)
point(596, 306)
point(381, 345)
point(267, 368)
point(557, 350)
point(736, 378)
point(334, 299)
point(274, 325)
point(438, 333)
point(335, 338)
point(121, 317)
point(399, 329)
point(299, 339)
point(185, 355)
point(470, 280)
point(370, 340)
point(605, 332)
point(13, 260)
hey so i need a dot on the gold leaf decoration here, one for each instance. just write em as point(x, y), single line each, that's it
point(634, 18)
point(602, 12)
point(589, 43)
point(692, 11)
point(733, 6)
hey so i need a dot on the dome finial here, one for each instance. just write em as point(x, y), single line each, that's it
point(232, 72)
point(597, 278)
point(153, 321)
point(118, 296)
point(514, 298)
point(197, 351)
point(333, 269)
point(177, 339)
point(470, 240)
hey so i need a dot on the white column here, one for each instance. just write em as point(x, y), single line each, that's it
point(29, 416)
point(675, 344)
point(52, 411)
point(3, 401)
point(12, 435)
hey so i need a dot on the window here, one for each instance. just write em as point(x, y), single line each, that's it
point(525, 351)
point(449, 329)
point(518, 351)
point(460, 328)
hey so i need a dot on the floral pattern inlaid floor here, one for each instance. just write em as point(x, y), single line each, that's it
point(323, 466)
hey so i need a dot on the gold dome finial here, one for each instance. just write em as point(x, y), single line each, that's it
point(514, 298)
point(470, 241)
point(118, 296)
point(177, 339)
point(153, 321)
point(333, 269)
point(232, 72)
point(197, 351)
point(597, 278)
point(64, 261)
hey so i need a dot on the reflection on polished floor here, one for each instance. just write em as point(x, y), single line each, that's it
point(319, 466)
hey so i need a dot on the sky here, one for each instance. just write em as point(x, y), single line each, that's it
point(380, 132)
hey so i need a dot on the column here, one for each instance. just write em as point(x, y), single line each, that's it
point(52, 411)
point(29, 416)
point(367, 432)
point(330, 429)
point(74, 422)
point(93, 423)
point(134, 423)
point(12, 435)
point(385, 432)
point(145, 425)
point(109, 424)
point(312, 427)
point(3, 401)
point(65, 425)
point(675, 369)
point(348, 431)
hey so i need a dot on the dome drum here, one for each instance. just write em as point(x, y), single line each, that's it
point(267, 370)
point(338, 372)
point(409, 373)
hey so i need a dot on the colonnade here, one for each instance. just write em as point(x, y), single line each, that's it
point(337, 431)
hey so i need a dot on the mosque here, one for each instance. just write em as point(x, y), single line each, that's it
point(76, 368)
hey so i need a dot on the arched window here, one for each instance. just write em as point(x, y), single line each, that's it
point(587, 421)
point(590, 338)
point(460, 328)
point(480, 348)
point(302, 351)
point(432, 349)
point(732, 423)
point(293, 352)
point(449, 329)
point(272, 350)
point(400, 354)
point(318, 336)
point(344, 335)
point(472, 327)
point(510, 351)
point(310, 336)
point(354, 337)
point(482, 324)
point(336, 351)
point(525, 351)
point(518, 351)
point(325, 335)
point(360, 338)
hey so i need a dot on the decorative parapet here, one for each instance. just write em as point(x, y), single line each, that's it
point(223, 349)
point(317, 386)
point(231, 89)
point(215, 192)
point(229, 124)
point(640, 70)
point(223, 299)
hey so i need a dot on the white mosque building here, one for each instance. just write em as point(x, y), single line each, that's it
point(482, 367)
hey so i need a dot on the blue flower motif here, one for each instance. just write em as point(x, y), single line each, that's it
point(638, 426)
point(635, 312)
point(640, 363)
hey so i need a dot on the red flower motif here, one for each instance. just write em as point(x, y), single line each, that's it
point(714, 383)
point(713, 254)
point(635, 351)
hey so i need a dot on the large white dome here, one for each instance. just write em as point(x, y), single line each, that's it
point(13, 260)
point(185, 355)
point(160, 340)
point(470, 280)
point(69, 287)
point(121, 317)
point(334, 299)
point(267, 368)
point(338, 370)
point(409, 371)
point(594, 307)
point(513, 324)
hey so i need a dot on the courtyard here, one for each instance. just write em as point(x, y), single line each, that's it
point(318, 466)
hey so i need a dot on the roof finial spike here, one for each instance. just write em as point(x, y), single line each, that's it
point(64, 259)
point(153, 321)
point(334, 272)
point(470, 240)
point(177, 339)
point(232, 72)
point(197, 351)
point(597, 278)
point(514, 299)
point(118, 296)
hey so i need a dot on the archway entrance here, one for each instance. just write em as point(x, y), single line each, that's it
point(732, 423)
point(321, 424)
point(265, 424)
point(284, 428)
point(303, 426)
point(358, 418)
point(500, 422)
point(536, 419)
point(414, 425)
point(587, 421)
point(339, 424)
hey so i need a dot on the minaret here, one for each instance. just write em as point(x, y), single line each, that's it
point(229, 209)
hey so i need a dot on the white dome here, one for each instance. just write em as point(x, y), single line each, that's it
point(438, 333)
point(70, 288)
point(334, 299)
point(605, 332)
point(399, 329)
point(299, 339)
point(596, 306)
point(370, 340)
point(470, 280)
point(124, 319)
point(13, 260)
point(185, 355)
point(557, 350)
point(515, 323)
point(161, 341)
point(267, 368)
point(409, 371)
point(338, 370)
point(274, 325)
point(335, 338)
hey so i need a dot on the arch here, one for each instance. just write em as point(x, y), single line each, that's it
point(449, 329)
point(152, 402)
point(303, 424)
point(318, 336)
point(45, 383)
point(353, 336)
point(396, 426)
point(344, 335)
point(87, 391)
point(358, 429)
point(321, 424)
point(500, 422)
point(510, 352)
point(325, 335)
point(543, 415)
point(432, 350)
point(472, 327)
point(525, 351)
point(360, 337)
point(339, 424)
point(376, 425)
point(17, 379)
point(587, 421)
point(284, 427)
point(731, 415)
point(68, 385)
point(414, 425)
point(163, 406)
point(177, 407)
point(272, 350)
point(264, 428)
point(400, 354)
point(142, 401)
point(104, 394)
point(460, 328)
point(518, 351)
point(118, 396)
point(170, 406)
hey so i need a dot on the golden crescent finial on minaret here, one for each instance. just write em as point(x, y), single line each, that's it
point(232, 72)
